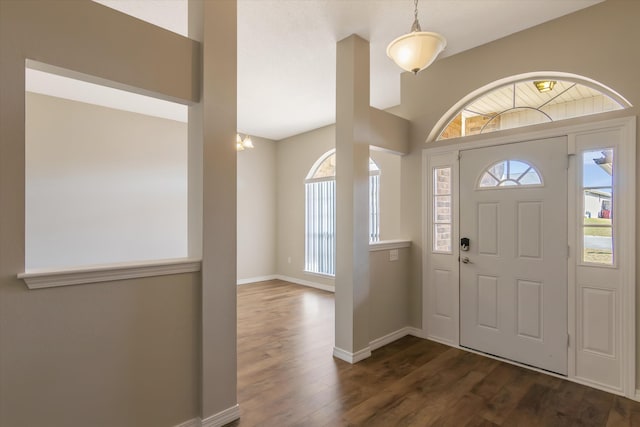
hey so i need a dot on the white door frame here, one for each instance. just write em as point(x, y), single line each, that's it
point(440, 316)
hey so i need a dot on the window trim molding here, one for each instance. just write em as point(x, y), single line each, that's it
point(383, 245)
point(40, 279)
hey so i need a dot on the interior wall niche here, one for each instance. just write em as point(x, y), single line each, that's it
point(106, 175)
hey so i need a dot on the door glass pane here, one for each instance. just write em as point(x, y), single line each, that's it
point(510, 173)
point(530, 177)
point(597, 168)
point(598, 206)
point(442, 209)
point(442, 214)
point(488, 181)
point(442, 238)
point(442, 181)
point(498, 170)
point(598, 245)
point(517, 168)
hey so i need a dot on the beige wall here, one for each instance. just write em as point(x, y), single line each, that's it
point(568, 44)
point(388, 292)
point(257, 210)
point(102, 185)
point(123, 353)
point(390, 175)
point(295, 157)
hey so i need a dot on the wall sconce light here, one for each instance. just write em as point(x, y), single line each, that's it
point(242, 143)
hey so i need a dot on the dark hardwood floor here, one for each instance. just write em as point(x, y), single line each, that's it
point(288, 377)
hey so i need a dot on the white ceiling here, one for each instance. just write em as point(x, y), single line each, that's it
point(286, 48)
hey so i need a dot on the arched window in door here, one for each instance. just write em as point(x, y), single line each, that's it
point(320, 213)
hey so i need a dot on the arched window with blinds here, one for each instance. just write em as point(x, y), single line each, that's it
point(320, 213)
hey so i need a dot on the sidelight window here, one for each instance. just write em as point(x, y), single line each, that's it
point(442, 210)
point(597, 204)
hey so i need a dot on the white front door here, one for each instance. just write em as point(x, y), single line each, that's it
point(513, 277)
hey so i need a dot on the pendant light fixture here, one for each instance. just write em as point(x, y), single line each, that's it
point(416, 50)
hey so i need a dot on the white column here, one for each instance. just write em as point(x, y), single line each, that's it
point(352, 197)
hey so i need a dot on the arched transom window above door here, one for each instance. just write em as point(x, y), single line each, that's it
point(519, 102)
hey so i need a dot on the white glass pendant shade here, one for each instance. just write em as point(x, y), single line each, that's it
point(417, 50)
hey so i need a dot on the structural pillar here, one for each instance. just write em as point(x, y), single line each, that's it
point(352, 200)
point(212, 203)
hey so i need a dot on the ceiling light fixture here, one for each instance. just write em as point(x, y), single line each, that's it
point(241, 143)
point(416, 50)
point(544, 85)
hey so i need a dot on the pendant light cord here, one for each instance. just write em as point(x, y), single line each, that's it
point(416, 24)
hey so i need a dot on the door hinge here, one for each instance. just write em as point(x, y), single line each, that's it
point(568, 340)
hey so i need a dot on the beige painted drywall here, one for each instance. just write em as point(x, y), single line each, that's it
point(257, 210)
point(388, 131)
point(388, 293)
point(568, 44)
point(219, 205)
point(389, 164)
point(295, 157)
point(352, 195)
point(102, 185)
point(125, 353)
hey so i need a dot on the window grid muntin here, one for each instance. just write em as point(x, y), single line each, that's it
point(522, 95)
point(506, 180)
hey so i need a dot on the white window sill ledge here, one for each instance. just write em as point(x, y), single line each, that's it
point(37, 279)
point(384, 245)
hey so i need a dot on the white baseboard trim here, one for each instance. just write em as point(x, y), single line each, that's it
point(223, 417)
point(394, 336)
point(306, 283)
point(257, 279)
point(415, 332)
point(388, 339)
point(191, 423)
point(352, 357)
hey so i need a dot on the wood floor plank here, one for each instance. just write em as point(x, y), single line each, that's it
point(624, 413)
point(287, 376)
